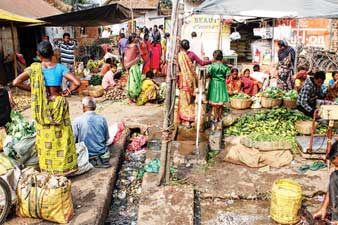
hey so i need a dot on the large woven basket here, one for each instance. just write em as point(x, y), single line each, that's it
point(240, 103)
point(291, 104)
point(286, 200)
point(270, 102)
point(96, 91)
point(304, 127)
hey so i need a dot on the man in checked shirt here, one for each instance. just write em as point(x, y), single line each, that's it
point(310, 93)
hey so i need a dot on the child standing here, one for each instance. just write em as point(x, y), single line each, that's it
point(218, 93)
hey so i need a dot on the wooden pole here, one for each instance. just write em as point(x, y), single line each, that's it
point(219, 37)
point(132, 17)
point(168, 123)
point(14, 51)
point(296, 49)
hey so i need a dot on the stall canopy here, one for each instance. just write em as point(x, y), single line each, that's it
point(270, 9)
point(8, 17)
point(99, 16)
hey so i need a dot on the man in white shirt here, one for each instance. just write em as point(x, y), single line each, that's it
point(261, 77)
point(196, 45)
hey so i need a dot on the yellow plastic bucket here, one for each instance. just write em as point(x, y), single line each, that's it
point(286, 200)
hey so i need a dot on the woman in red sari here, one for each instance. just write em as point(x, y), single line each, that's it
point(250, 85)
point(156, 56)
point(146, 49)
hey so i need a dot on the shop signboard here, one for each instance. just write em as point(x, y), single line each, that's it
point(207, 28)
point(312, 32)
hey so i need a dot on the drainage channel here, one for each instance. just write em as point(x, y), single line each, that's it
point(127, 191)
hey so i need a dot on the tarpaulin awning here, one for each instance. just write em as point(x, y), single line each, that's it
point(270, 8)
point(6, 17)
point(99, 16)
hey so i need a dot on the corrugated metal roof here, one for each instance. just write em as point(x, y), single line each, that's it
point(136, 4)
point(29, 8)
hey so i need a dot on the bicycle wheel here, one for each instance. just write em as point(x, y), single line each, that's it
point(5, 200)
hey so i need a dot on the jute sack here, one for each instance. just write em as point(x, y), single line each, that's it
point(42, 196)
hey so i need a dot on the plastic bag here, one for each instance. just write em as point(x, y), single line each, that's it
point(23, 152)
point(82, 159)
point(115, 132)
point(45, 196)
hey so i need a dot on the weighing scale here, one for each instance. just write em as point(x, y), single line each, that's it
point(319, 145)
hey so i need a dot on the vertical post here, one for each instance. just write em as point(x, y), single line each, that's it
point(331, 27)
point(219, 33)
point(273, 42)
point(296, 49)
point(168, 122)
point(132, 17)
point(14, 51)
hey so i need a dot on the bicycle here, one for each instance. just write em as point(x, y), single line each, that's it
point(5, 200)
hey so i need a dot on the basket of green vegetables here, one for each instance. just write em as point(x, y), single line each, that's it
point(240, 101)
point(272, 97)
point(290, 99)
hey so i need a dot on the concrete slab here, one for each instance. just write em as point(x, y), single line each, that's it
point(91, 192)
point(169, 205)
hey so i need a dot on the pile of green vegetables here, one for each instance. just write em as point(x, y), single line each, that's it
point(277, 124)
point(96, 80)
point(19, 127)
point(273, 92)
point(241, 96)
point(291, 95)
point(277, 121)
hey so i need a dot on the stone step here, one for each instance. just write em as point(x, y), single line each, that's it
point(170, 205)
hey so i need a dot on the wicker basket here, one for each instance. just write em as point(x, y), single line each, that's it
point(240, 103)
point(96, 91)
point(304, 127)
point(270, 102)
point(286, 200)
point(291, 104)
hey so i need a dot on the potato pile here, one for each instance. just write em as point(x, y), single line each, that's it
point(116, 94)
point(22, 102)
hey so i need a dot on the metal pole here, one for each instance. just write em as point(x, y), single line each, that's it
point(219, 33)
point(296, 49)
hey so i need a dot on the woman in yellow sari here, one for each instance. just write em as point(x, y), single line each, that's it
point(148, 89)
point(55, 144)
point(187, 85)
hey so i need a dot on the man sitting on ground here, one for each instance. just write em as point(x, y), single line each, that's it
point(261, 77)
point(330, 204)
point(92, 129)
point(310, 93)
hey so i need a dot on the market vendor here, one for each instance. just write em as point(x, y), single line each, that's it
point(106, 67)
point(262, 78)
point(333, 86)
point(92, 64)
point(330, 204)
point(234, 84)
point(108, 81)
point(250, 85)
point(300, 78)
point(92, 129)
point(310, 93)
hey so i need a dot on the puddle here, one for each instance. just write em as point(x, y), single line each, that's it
point(234, 212)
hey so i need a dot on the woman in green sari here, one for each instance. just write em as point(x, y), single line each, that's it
point(217, 92)
point(131, 59)
point(55, 144)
